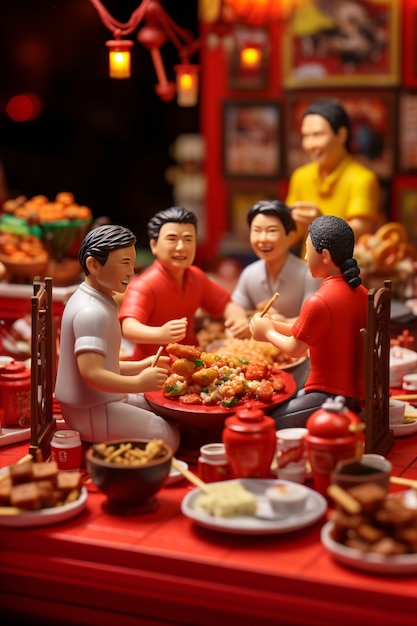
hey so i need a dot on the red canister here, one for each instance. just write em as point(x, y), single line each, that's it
point(213, 464)
point(15, 394)
point(250, 442)
point(66, 449)
point(334, 433)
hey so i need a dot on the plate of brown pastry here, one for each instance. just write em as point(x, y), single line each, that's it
point(37, 494)
point(379, 536)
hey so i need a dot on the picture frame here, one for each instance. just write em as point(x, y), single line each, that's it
point(344, 43)
point(252, 139)
point(240, 201)
point(404, 204)
point(407, 135)
point(246, 76)
point(371, 115)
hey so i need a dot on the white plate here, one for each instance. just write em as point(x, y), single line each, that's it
point(174, 475)
point(316, 506)
point(13, 435)
point(404, 428)
point(366, 561)
point(45, 517)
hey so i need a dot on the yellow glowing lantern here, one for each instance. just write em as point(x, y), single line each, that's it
point(250, 57)
point(119, 58)
point(187, 84)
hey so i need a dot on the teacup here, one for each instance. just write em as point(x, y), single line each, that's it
point(409, 382)
point(373, 468)
point(396, 411)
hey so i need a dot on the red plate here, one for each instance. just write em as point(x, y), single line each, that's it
point(212, 416)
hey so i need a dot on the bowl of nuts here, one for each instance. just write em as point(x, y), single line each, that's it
point(129, 472)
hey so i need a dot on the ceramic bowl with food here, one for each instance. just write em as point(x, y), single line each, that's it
point(135, 478)
point(370, 468)
point(396, 411)
point(287, 498)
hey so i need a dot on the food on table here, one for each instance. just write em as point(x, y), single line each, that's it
point(367, 519)
point(252, 349)
point(228, 499)
point(34, 486)
point(40, 209)
point(386, 248)
point(287, 498)
point(211, 379)
point(129, 454)
point(22, 248)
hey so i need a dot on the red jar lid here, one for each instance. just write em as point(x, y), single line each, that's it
point(14, 371)
point(332, 421)
point(248, 419)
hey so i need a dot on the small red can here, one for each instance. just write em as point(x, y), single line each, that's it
point(213, 464)
point(66, 449)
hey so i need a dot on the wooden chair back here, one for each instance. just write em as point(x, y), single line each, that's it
point(43, 369)
point(378, 436)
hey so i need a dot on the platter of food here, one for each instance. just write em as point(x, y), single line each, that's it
point(204, 388)
point(409, 424)
point(45, 517)
point(373, 530)
point(39, 494)
point(252, 349)
point(263, 522)
point(367, 561)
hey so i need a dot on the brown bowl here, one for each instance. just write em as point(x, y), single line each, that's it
point(129, 486)
point(24, 271)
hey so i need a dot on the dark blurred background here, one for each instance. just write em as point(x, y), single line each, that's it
point(107, 141)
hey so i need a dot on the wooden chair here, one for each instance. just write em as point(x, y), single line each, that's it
point(378, 436)
point(43, 369)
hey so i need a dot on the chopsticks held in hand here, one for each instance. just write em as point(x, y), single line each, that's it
point(156, 357)
point(269, 304)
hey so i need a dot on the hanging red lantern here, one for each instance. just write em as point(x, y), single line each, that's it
point(255, 12)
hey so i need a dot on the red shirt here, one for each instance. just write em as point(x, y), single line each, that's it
point(330, 322)
point(154, 297)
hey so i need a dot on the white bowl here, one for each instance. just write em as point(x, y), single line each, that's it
point(396, 411)
point(287, 498)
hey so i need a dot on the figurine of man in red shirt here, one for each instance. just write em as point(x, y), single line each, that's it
point(328, 326)
point(159, 305)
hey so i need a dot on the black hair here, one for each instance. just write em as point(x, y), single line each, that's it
point(273, 207)
point(175, 214)
point(334, 234)
point(334, 113)
point(100, 241)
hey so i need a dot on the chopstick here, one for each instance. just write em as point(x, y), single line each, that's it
point(405, 397)
point(195, 480)
point(269, 304)
point(406, 482)
point(156, 357)
point(25, 459)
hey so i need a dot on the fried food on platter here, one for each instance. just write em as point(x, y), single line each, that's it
point(251, 349)
point(219, 380)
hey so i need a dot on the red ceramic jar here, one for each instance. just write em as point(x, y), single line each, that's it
point(15, 393)
point(334, 434)
point(250, 441)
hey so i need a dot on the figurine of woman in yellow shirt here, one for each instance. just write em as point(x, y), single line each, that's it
point(334, 183)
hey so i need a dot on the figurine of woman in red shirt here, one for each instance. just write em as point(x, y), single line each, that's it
point(328, 326)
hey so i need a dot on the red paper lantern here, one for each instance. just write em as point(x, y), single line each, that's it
point(256, 12)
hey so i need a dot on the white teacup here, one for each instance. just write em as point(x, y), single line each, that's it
point(396, 411)
point(409, 382)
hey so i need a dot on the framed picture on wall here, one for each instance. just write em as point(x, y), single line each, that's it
point(342, 43)
point(240, 201)
point(251, 135)
point(407, 135)
point(371, 117)
point(404, 204)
